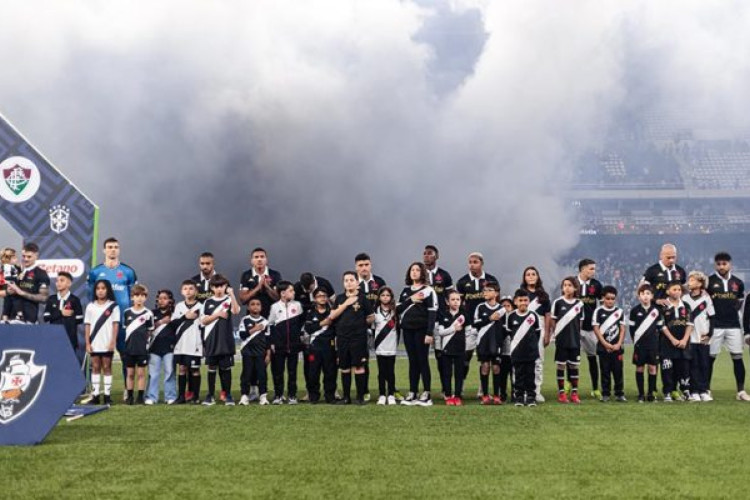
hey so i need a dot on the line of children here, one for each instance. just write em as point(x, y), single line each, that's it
point(138, 322)
point(161, 351)
point(450, 327)
point(488, 324)
point(565, 326)
point(385, 343)
point(255, 350)
point(609, 328)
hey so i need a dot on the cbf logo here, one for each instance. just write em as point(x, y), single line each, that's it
point(59, 216)
point(20, 179)
point(21, 381)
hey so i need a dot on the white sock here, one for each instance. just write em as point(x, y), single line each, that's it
point(107, 385)
point(95, 383)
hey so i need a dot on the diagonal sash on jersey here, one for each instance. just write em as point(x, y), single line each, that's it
point(535, 304)
point(645, 325)
point(136, 324)
point(208, 329)
point(610, 321)
point(383, 333)
point(100, 322)
point(254, 334)
point(567, 318)
point(183, 324)
point(522, 331)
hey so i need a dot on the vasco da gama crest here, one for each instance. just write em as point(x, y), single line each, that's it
point(21, 381)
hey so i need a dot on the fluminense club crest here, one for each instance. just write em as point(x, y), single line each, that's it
point(17, 178)
point(21, 381)
point(21, 179)
point(59, 217)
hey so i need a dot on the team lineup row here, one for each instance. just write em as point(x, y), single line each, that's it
point(680, 332)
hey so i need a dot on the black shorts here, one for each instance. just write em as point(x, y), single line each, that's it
point(132, 361)
point(484, 357)
point(106, 354)
point(569, 355)
point(188, 360)
point(223, 362)
point(645, 356)
point(352, 353)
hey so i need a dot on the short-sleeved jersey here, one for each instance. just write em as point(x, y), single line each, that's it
point(188, 340)
point(417, 315)
point(254, 344)
point(677, 320)
point(138, 326)
point(489, 332)
point(250, 279)
point(609, 322)
point(471, 289)
point(441, 281)
point(385, 333)
point(568, 316)
point(122, 278)
point(370, 288)
point(701, 314)
point(453, 342)
point(32, 280)
point(102, 318)
point(218, 337)
point(658, 276)
point(540, 305)
point(203, 286)
point(589, 293)
point(352, 323)
point(645, 326)
point(726, 295)
point(524, 331)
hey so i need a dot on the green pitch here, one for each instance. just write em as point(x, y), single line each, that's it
point(593, 450)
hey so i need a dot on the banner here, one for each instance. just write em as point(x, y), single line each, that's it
point(44, 207)
point(40, 378)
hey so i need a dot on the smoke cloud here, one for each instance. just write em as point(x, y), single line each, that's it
point(320, 129)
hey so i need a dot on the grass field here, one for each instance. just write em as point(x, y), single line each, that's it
point(593, 450)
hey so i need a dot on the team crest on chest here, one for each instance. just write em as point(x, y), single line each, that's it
point(21, 381)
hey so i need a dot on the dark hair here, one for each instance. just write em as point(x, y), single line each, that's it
point(306, 279)
point(450, 292)
point(65, 274)
point(492, 285)
point(170, 306)
point(356, 276)
point(31, 247)
point(433, 248)
point(189, 282)
point(259, 249)
point(111, 239)
point(609, 289)
point(318, 290)
point(361, 256)
point(393, 296)
point(110, 295)
point(218, 280)
point(207, 255)
point(539, 291)
point(645, 287)
point(521, 293)
point(585, 262)
point(423, 277)
point(254, 299)
point(573, 281)
point(722, 257)
point(283, 285)
point(674, 283)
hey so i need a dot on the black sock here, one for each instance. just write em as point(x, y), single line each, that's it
point(651, 383)
point(140, 395)
point(496, 383)
point(739, 374)
point(594, 372)
point(211, 382)
point(711, 361)
point(639, 383)
point(360, 379)
point(485, 380)
point(181, 384)
point(346, 384)
point(560, 380)
point(196, 384)
point(130, 393)
point(573, 375)
point(225, 377)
